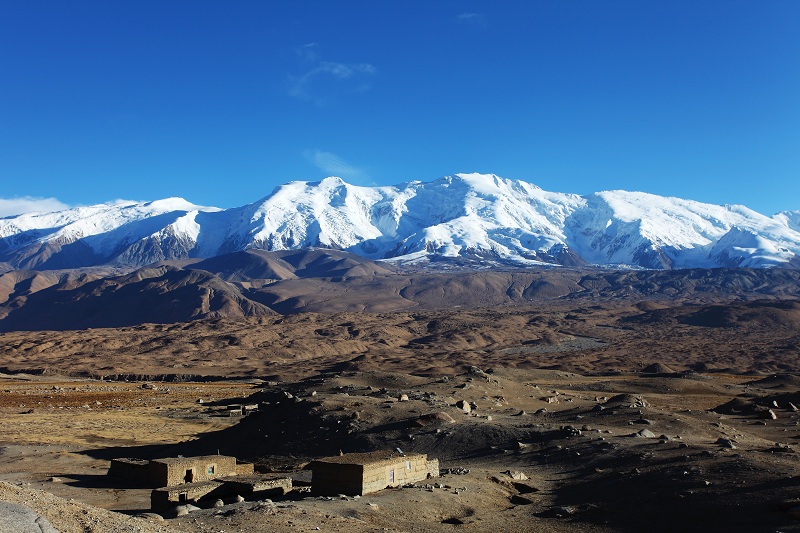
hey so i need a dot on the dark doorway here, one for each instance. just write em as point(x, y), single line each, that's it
point(189, 477)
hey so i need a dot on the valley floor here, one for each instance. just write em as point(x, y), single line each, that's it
point(621, 417)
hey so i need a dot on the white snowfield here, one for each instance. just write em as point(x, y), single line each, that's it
point(480, 216)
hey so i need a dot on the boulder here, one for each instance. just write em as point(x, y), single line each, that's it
point(464, 406)
point(516, 474)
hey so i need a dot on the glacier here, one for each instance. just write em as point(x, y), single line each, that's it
point(482, 218)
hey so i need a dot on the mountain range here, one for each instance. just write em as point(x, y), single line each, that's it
point(479, 218)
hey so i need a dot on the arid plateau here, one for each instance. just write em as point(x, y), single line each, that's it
point(554, 400)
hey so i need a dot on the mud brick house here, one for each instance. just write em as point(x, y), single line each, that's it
point(178, 480)
point(173, 471)
point(362, 473)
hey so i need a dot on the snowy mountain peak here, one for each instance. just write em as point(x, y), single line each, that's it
point(470, 215)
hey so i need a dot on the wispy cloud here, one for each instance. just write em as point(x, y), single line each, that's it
point(471, 18)
point(333, 165)
point(307, 52)
point(29, 204)
point(323, 80)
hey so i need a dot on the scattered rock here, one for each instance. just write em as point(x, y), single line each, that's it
point(516, 474)
point(644, 433)
point(627, 400)
point(464, 406)
point(183, 510)
point(769, 414)
point(559, 512)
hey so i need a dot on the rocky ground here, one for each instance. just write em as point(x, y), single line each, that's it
point(615, 417)
point(659, 450)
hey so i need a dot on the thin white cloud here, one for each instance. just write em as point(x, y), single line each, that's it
point(324, 79)
point(29, 204)
point(307, 52)
point(470, 18)
point(333, 165)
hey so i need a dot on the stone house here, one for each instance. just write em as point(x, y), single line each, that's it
point(178, 480)
point(362, 473)
point(172, 471)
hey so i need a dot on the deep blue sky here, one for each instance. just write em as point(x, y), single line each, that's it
point(219, 102)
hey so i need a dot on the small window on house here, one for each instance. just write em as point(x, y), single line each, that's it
point(183, 497)
point(210, 469)
point(408, 465)
point(391, 475)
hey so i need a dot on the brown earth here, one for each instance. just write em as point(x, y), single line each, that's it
point(596, 338)
point(558, 388)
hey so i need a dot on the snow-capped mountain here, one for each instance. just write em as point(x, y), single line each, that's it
point(476, 216)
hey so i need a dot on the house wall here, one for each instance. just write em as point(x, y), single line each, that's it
point(245, 469)
point(134, 471)
point(330, 479)
point(138, 472)
point(395, 473)
point(176, 468)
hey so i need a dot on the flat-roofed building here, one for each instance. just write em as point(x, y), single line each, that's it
point(362, 473)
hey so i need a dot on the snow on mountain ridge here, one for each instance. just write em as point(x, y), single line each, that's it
point(470, 214)
point(791, 219)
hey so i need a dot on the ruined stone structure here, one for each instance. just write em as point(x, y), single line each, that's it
point(167, 497)
point(252, 486)
point(362, 473)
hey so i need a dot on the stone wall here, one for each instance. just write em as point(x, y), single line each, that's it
point(245, 469)
point(258, 485)
point(330, 479)
point(167, 497)
point(177, 467)
point(392, 474)
point(138, 472)
point(433, 467)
